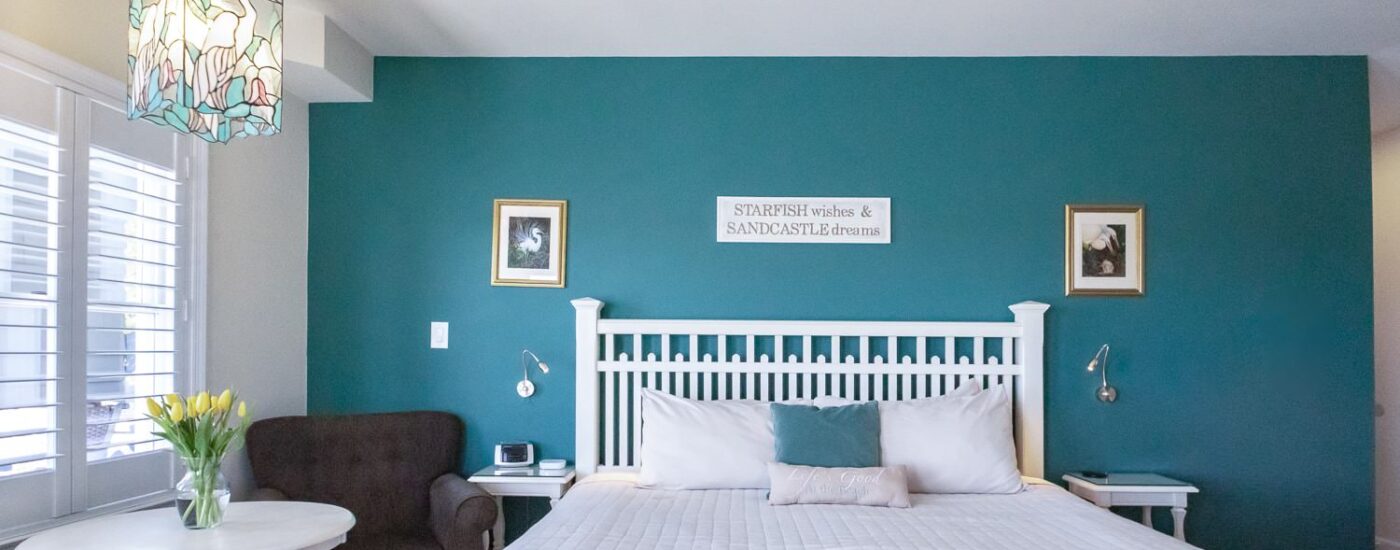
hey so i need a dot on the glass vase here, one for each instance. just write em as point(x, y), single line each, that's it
point(202, 495)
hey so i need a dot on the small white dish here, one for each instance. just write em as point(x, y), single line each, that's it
point(553, 464)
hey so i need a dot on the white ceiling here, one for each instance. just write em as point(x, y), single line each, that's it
point(509, 28)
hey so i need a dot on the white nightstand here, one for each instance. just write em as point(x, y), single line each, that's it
point(1145, 490)
point(531, 482)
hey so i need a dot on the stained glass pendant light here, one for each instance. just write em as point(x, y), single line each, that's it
point(212, 68)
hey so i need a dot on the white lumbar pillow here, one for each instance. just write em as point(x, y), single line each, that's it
point(878, 486)
point(689, 444)
point(952, 444)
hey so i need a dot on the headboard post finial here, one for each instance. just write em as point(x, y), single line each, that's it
point(1030, 414)
point(1029, 307)
point(582, 305)
point(586, 314)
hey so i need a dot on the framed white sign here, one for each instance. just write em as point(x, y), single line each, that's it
point(802, 220)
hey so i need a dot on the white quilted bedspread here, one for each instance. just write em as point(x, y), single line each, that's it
point(608, 511)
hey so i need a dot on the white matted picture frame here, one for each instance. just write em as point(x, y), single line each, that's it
point(529, 242)
point(1104, 250)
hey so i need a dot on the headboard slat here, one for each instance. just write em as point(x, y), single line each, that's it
point(609, 420)
point(624, 414)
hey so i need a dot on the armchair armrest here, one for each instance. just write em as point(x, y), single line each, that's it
point(460, 512)
point(267, 493)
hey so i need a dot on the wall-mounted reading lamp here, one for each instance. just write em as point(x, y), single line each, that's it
point(1106, 393)
point(526, 388)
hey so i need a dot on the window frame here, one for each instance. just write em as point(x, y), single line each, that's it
point(89, 84)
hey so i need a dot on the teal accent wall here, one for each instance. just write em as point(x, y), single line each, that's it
point(1246, 369)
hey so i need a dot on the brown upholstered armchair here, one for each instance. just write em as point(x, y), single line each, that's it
point(396, 472)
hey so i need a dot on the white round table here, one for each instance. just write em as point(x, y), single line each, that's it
point(247, 525)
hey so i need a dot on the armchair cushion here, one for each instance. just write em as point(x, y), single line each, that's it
point(461, 511)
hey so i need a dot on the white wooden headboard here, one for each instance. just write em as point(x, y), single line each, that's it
point(776, 360)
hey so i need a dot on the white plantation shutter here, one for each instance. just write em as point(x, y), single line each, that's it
point(34, 187)
point(96, 269)
point(135, 306)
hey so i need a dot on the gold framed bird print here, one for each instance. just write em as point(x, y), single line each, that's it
point(1104, 254)
point(529, 239)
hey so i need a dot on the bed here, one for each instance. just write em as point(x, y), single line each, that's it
point(617, 359)
point(608, 512)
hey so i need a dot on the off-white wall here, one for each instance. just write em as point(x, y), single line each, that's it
point(256, 324)
point(257, 272)
point(1386, 174)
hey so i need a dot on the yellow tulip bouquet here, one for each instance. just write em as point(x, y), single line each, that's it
point(202, 429)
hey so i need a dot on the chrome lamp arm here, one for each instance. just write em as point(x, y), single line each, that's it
point(1105, 393)
point(525, 387)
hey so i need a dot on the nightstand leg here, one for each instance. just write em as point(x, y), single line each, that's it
point(498, 531)
point(1179, 518)
point(1147, 516)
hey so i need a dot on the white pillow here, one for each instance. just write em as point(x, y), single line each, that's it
point(960, 442)
point(967, 389)
point(952, 444)
point(689, 444)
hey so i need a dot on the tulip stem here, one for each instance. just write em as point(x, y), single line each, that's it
point(204, 503)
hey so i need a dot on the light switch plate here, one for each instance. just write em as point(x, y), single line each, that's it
point(438, 337)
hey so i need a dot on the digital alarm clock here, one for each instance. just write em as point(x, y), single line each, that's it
point(515, 454)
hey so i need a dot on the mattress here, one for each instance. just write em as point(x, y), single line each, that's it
point(608, 511)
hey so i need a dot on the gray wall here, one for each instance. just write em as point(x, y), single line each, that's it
point(257, 273)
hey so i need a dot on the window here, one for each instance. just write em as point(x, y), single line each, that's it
point(96, 278)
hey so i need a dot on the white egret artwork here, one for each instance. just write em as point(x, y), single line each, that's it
point(529, 243)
